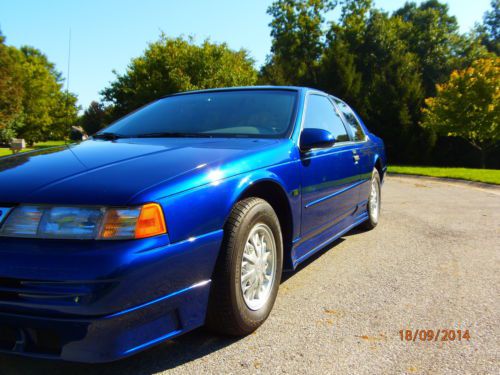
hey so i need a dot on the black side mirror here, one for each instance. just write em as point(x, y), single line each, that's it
point(316, 138)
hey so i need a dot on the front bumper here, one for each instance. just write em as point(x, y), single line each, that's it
point(101, 304)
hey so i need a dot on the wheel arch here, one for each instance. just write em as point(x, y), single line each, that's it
point(273, 192)
point(379, 166)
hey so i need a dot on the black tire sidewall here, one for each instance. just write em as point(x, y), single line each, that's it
point(249, 320)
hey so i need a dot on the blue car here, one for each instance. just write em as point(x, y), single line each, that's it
point(183, 213)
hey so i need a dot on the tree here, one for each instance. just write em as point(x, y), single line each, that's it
point(64, 115)
point(392, 89)
point(367, 63)
point(433, 37)
point(47, 110)
point(32, 103)
point(470, 49)
point(340, 63)
point(11, 91)
point(353, 21)
point(297, 41)
point(339, 73)
point(489, 31)
point(172, 65)
point(468, 106)
point(95, 117)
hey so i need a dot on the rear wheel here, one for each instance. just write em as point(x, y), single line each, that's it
point(248, 271)
point(373, 205)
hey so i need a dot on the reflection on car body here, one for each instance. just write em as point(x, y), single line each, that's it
point(181, 214)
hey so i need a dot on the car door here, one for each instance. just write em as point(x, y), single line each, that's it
point(329, 175)
point(364, 153)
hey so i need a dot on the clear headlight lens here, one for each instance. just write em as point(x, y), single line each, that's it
point(85, 222)
point(70, 222)
point(23, 222)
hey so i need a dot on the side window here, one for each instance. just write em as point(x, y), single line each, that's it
point(321, 114)
point(351, 119)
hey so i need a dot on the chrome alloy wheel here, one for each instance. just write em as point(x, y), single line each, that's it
point(258, 266)
point(374, 201)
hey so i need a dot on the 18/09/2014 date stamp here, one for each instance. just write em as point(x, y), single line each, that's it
point(434, 335)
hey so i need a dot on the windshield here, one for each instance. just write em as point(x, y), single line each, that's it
point(238, 113)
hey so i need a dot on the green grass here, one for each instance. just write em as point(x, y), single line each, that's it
point(490, 176)
point(6, 151)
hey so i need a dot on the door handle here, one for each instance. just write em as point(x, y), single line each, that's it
point(356, 158)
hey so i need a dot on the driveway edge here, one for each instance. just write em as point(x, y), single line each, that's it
point(452, 181)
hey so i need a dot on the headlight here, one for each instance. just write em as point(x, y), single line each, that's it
point(85, 222)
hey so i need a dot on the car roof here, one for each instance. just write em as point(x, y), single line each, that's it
point(236, 88)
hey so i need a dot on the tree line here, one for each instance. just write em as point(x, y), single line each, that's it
point(387, 65)
point(430, 91)
point(33, 103)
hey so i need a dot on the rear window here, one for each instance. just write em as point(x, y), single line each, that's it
point(352, 120)
point(238, 113)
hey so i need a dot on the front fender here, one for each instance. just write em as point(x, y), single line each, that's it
point(256, 177)
point(205, 209)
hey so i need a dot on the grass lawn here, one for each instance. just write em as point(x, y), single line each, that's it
point(6, 151)
point(491, 176)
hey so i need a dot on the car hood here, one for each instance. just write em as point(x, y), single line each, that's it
point(117, 172)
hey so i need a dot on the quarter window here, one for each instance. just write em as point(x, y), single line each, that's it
point(321, 114)
point(352, 120)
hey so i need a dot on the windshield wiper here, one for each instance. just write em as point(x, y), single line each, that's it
point(108, 136)
point(173, 135)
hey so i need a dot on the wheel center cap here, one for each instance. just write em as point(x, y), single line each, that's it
point(260, 266)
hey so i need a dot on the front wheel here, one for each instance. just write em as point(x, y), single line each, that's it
point(248, 271)
point(373, 205)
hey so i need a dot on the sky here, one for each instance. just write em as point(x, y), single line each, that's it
point(106, 34)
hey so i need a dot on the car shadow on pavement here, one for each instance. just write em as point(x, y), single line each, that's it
point(324, 250)
point(354, 232)
point(191, 346)
point(166, 356)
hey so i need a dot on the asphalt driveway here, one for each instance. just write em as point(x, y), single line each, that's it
point(432, 263)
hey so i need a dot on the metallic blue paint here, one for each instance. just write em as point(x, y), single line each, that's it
point(97, 301)
point(316, 138)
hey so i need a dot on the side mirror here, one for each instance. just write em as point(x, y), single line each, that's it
point(315, 138)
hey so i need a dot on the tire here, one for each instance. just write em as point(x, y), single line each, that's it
point(230, 310)
point(372, 207)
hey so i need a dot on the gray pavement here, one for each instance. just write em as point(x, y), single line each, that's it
point(432, 263)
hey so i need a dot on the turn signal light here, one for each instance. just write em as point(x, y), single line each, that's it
point(150, 222)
